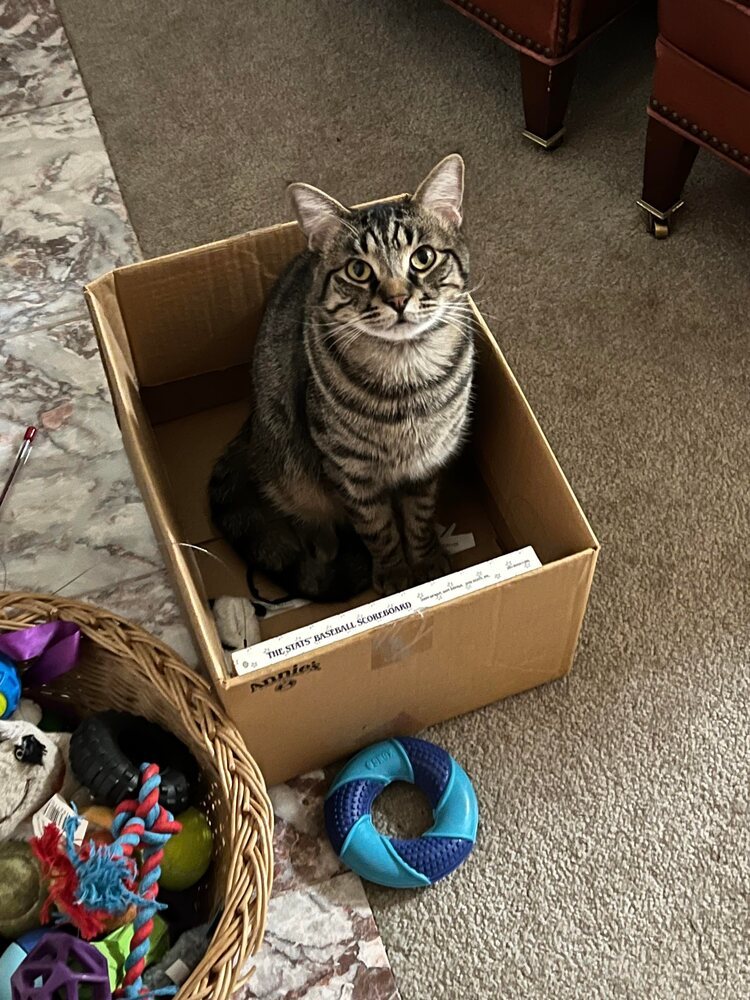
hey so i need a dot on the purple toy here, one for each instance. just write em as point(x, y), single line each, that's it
point(46, 972)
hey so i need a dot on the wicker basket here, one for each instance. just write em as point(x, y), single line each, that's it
point(123, 667)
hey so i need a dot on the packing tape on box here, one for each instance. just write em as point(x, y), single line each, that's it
point(393, 643)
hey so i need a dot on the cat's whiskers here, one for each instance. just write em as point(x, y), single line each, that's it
point(335, 331)
point(485, 312)
point(465, 315)
point(320, 324)
point(460, 306)
point(350, 337)
point(475, 288)
point(332, 329)
point(457, 325)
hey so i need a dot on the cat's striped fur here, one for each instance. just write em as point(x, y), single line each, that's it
point(361, 389)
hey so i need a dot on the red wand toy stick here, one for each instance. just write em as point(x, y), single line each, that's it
point(21, 458)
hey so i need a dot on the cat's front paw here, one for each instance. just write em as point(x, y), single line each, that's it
point(387, 580)
point(435, 565)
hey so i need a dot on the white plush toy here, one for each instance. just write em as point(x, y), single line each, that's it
point(236, 622)
point(33, 767)
point(27, 711)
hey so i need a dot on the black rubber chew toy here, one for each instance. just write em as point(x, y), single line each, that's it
point(107, 749)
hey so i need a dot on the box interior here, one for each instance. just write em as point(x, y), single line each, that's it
point(190, 445)
point(189, 442)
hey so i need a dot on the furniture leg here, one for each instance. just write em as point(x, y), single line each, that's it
point(546, 91)
point(668, 160)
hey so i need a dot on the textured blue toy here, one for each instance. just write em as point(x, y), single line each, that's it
point(402, 864)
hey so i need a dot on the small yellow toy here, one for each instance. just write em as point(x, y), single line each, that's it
point(188, 854)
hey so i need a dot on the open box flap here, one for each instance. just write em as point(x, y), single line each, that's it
point(186, 313)
point(199, 310)
point(517, 463)
point(142, 451)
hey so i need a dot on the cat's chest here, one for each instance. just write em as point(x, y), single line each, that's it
point(400, 423)
point(418, 444)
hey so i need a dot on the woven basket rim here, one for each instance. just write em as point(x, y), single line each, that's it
point(248, 880)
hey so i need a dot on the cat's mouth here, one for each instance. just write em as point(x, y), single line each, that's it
point(404, 327)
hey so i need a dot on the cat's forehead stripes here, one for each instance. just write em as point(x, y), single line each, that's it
point(384, 228)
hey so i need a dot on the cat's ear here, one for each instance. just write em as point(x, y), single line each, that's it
point(442, 190)
point(319, 215)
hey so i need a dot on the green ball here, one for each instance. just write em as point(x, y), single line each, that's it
point(187, 855)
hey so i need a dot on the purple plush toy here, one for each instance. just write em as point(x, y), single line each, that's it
point(47, 969)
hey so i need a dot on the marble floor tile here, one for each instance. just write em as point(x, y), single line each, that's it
point(62, 220)
point(302, 852)
point(150, 602)
point(74, 519)
point(37, 67)
point(322, 943)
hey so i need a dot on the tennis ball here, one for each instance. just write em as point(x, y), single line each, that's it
point(187, 855)
point(21, 890)
point(101, 816)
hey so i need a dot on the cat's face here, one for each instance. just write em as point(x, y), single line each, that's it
point(392, 271)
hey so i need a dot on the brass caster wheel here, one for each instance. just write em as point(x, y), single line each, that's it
point(658, 222)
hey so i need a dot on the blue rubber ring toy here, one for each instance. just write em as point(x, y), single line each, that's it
point(402, 864)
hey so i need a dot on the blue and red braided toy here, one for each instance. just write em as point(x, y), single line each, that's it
point(92, 884)
point(146, 818)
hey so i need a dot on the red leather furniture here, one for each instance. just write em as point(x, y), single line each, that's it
point(700, 97)
point(548, 35)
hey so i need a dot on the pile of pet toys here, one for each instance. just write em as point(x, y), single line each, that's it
point(103, 850)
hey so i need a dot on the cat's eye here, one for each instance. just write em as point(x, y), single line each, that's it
point(423, 258)
point(358, 270)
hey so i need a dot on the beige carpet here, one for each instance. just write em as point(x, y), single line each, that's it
point(614, 854)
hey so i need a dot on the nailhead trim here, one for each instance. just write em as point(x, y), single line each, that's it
point(712, 140)
point(562, 25)
point(503, 29)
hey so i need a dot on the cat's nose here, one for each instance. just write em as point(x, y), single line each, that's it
point(398, 302)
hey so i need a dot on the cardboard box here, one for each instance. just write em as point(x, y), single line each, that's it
point(176, 335)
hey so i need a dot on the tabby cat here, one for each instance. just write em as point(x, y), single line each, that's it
point(361, 388)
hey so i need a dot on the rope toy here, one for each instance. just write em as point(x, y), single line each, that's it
point(144, 821)
point(94, 883)
point(88, 886)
